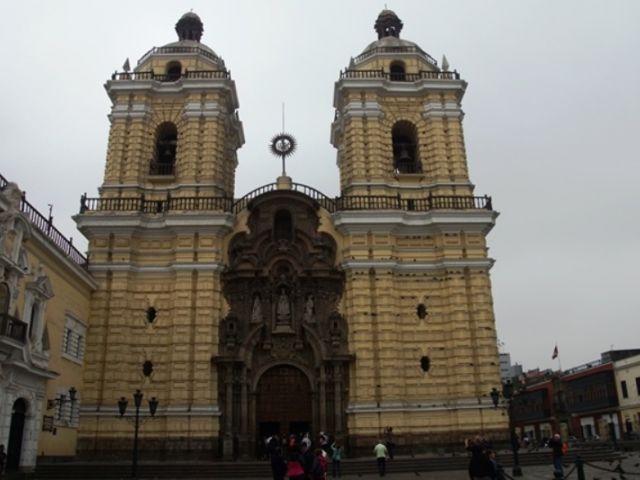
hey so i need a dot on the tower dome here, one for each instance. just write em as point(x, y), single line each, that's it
point(388, 24)
point(190, 27)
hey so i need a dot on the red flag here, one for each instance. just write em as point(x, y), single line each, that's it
point(555, 353)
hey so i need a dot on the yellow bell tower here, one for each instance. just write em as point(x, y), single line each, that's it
point(417, 287)
point(156, 247)
point(174, 126)
point(398, 125)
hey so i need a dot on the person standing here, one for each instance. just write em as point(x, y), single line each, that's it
point(556, 445)
point(295, 469)
point(381, 454)
point(336, 458)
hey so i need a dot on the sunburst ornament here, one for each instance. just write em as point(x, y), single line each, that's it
point(283, 145)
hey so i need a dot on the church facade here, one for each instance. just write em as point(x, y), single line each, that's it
point(286, 310)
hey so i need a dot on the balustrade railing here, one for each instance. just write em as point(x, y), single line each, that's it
point(147, 205)
point(326, 202)
point(399, 77)
point(389, 202)
point(157, 168)
point(179, 50)
point(225, 204)
point(45, 226)
point(13, 328)
point(172, 77)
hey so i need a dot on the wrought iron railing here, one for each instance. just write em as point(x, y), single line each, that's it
point(172, 77)
point(45, 226)
point(225, 204)
point(179, 50)
point(324, 201)
point(13, 328)
point(399, 77)
point(389, 202)
point(395, 50)
point(147, 205)
point(165, 169)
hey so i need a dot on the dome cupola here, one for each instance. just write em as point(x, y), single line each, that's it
point(388, 24)
point(190, 27)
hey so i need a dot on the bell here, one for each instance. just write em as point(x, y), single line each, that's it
point(403, 156)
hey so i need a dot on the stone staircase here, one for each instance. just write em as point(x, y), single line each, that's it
point(253, 469)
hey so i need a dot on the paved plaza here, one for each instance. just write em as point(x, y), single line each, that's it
point(593, 471)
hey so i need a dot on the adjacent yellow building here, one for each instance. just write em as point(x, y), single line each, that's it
point(45, 293)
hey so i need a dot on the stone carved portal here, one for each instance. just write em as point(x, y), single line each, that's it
point(283, 356)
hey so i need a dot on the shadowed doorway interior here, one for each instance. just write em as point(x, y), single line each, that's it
point(16, 432)
point(283, 402)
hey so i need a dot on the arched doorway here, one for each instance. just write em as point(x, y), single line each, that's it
point(283, 402)
point(16, 432)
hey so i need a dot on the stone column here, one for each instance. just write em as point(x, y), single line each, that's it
point(227, 443)
point(322, 400)
point(337, 389)
point(244, 415)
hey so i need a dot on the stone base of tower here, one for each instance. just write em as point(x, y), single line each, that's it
point(425, 432)
point(169, 448)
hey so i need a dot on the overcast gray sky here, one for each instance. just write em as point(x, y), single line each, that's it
point(551, 128)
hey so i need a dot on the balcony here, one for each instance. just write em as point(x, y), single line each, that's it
point(162, 169)
point(226, 204)
point(172, 77)
point(12, 328)
point(398, 77)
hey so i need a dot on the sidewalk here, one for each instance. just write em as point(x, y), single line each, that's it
point(630, 464)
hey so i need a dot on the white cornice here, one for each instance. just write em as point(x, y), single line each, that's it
point(442, 110)
point(388, 87)
point(215, 223)
point(419, 266)
point(157, 269)
point(163, 411)
point(171, 88)
point(425, 406)
point(400, 222)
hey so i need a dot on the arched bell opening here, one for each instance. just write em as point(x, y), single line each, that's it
point(405, 148)
point(166, 148)
point(173, 71)
point(397, 71)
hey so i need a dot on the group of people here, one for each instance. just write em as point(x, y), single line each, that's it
point(484, 466)
point(297, 459)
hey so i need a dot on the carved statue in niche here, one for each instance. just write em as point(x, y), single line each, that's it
point(256, 310)
point(309, 309)
point(283, 308)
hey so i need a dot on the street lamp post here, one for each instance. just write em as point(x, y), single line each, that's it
point(122, 407)
point(507, 393)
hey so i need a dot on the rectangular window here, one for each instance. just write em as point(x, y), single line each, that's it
point(623, 387)
point(638, 385)
point(74, 339)
point(67, 412)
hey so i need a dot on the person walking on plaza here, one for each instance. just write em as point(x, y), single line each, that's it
point(336, 458)
point(381, 454)
point(558, 448)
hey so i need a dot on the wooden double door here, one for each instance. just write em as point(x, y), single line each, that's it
point(283, 402)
